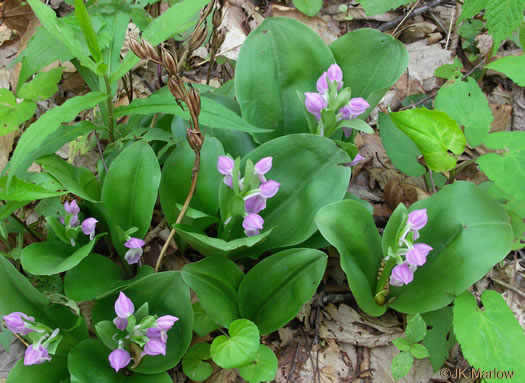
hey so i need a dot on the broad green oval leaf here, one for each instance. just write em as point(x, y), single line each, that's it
point(290, 280)
point(490, 338)
point(130, 191)
point(470, 232)
point(33, 137)
point(434, 133)
point(52, 371)
point(239, 348)
point(416, 328)
point(308, 168)
point(166, 294)
point(511, 66)
point(263, 368)
point(401, 150)
point(18, 294)
point(193, 365)
point(371, 62)
point(308, 7)
point(176, 179)
point(349, 227)
point(402, 344)
point(43, 86)
point(401, 364)
point(419, 351)
point(78, 282)
point(508, 169)
point(216, 246)
point(20, 190)
point(212, 114)
point(277, 52)
point(76, 180)
point(440, 338)
point(53, 257)
point(375, 7)
point(88, 363)
point(105, 332)
point(217, 291)
point(465, 102)
point(202, 325)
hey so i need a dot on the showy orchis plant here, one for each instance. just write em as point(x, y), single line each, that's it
point(332, 107)
point(253, 190)
point(44, 340)
point(148, 337)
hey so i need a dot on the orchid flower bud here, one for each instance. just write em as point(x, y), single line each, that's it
point(225, 165)
point(88, 227)
point(36, 354)
point(72, 208)
point(357, 106)
point(252, 224)
point(322, 83)
point(315, 103)
point(401, 275)
point(155, 346)
point(264, 165)
point(255, 204)
point(335, 74)
point(269, 189)
point(166, 322)
point(119, 358)
point(417, 219)
point(123, 306)
point(120, 323)
point(15, 322)
point(417, 256)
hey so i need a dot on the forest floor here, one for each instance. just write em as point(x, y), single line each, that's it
point(330, 340)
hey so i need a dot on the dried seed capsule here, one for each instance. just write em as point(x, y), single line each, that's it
point(217, 17)
point(137, 49)
point(218, 39)
point(151, 52)
point(195, 139)
point(197, 37)
point(169, 61)
point(195, 100)
point(176, 87)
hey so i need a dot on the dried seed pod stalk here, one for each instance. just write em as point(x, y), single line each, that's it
point(144, 50)
point(176, 87)
point(195, 100)
point(169, 61)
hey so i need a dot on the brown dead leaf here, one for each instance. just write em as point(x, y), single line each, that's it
point(329, 31)
point(418, 31)
point(345, 325)
point(502, 117)
point(6, 145)
point(397, 192)
point(355, 13)
point(18, 15)
point(223, 376)
point(424, 60)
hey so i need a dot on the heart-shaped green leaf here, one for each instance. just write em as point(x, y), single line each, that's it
point(193, 364)
point(263, 368)
point(239, 348)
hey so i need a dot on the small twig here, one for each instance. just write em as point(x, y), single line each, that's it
point(21, 339)
point(404, 18)
point(416, 12)
point(508, 286)
point(431, 177)
point(294, 362)
point(450, 27)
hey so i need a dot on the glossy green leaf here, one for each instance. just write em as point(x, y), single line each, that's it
point(116, 26)
point(416, 328)
point(434, 133)
point(130, 191)
point(34, 136)
point(216, 246)
point(440, 337)
point(166, 294)
point(304, 164)
point(20, 190)
point(308, 7)
point(395, 225)
point(53, 257)
point(357, 124)
point(193, 364)
point(76, 180)
point(349, 227)
point(48, 372)
point(402, 344)
point(290, 280)
point(263, 368)
point(239, 348)
point(469, 232)
point(419, 351)
point(82, 16)
point(212, 114)
point(202, 324)
point(374, 7)
point(217, 291)
point(176, 179)
point(490, 337)
point(277, 52)
point(18, 294)
point(371, 62)
point(106, 330)
point(12, 113)
point(43, 86)
point(402, 364)
point(511, 66)
point(88, 363)
point(507, 170)
point(176, 19)
point(465, 102)
point(78, 282)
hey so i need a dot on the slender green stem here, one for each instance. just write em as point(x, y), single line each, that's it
point(489, 57)
point(111, 123)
